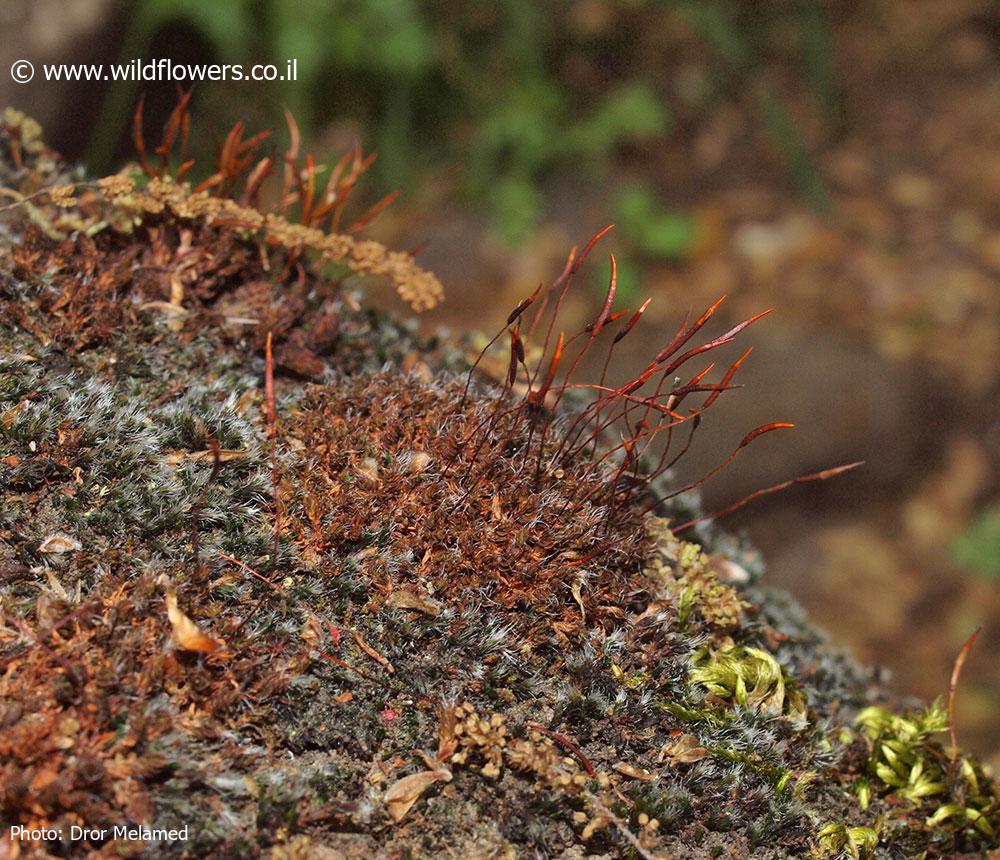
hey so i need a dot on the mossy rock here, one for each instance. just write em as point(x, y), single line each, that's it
point(369, 625)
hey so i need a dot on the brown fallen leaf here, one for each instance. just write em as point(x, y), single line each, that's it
point(175, 458)
point(419, 461)
point(186, 633)
point(447, 741)
point(401, 598)
point(371, 652)
point(57, 542)
point(578, 597)
point(167, 308)
point(684, 750)
point(403, 793)
point(312, 630)
point(728, 570)
point(367, 470)
point(300, 361)
point(633, 772)
point(176, 291)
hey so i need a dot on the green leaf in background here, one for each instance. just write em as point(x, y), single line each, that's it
point(787, 136)
point(632, 112)
point(817, 53)
point(716, 24)
point(389, 36)
point(488, 86)
point(739, 41)
point(516, 203)
point(978, 547)
point(531, 130)
point(629, 282)
point(521, 133)
point(664, 233)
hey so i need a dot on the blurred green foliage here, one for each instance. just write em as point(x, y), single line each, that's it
point(655, 231)
point(978, 547)
point(533, 129)
point(505, 92)
point(740, 32)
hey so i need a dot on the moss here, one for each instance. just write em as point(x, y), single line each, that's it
point(619, 690)
point(749, 678)
point(906, 763)
point(858, 842)
point(691, 576)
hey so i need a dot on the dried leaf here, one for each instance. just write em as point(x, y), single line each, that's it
point(405, 599)
point(57, 542)
point(419, 461)
point(728, 571)
point(684, 750)
point(176, 291)
point(168, 308)
point(371, 652)
point(447, 741)
point(311, 630)
point(368, 470)
point(186, 633)
point(633, 772)
point(175, 458)
point(578, 597)
point(403, 793)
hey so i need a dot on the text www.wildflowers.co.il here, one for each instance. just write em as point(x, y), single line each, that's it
point(164, 69)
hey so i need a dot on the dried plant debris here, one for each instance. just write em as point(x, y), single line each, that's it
point(228, 202)
point(276, 571)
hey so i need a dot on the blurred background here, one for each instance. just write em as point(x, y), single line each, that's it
point(839, 161)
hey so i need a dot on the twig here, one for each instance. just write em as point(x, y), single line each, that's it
point(566, 742)
point(371, 652)
point(252, 572)
point(343, 664)
point(956, 673)
point(257, 603)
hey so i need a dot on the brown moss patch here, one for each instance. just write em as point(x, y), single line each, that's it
point(93, 288)
point(87, 701)
point(390, 475)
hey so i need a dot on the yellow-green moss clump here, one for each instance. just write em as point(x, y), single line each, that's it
point(271, 571)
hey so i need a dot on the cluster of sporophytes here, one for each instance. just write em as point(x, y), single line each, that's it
point(303, 217)
point(274, 568)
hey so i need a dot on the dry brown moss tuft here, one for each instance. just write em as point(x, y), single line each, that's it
point(390, 475)
point(86, 703)
point(92, 288)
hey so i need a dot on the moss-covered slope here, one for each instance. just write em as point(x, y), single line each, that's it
point(355, 620)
